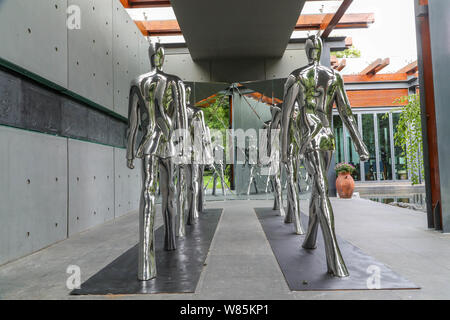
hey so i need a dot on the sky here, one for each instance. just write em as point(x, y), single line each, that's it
point(391, 36)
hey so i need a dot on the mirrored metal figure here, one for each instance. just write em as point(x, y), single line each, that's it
point(315, 88)
point(292, 166)
point(200, 155)
point(158, 107)
point(273, 152)
point(252, 163)
point(218, 169)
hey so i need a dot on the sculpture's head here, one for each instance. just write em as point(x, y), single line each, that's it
point(313, 48)
point(156, 54)
point(188, 94)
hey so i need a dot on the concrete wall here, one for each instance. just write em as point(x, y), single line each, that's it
point(51, 185)
point(96, 61)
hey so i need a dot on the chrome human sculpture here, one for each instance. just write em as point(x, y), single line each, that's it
point(275, 165)
point(218, 169)
point(253, 167)
point(315, 88)
point(158, 107)
point(291, 167)
point(200, 154)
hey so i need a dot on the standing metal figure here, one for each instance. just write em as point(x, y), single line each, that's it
point(273, 152)
point(316, 88)
point(218, 169)
point(253, 166)
point(158, 107)
point(200, 154)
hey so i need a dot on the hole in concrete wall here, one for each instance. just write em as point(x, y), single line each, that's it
point(56, 224)
point(56, 49)
point(107, 83)
point(93, 41)
point(56, 6)
point(107, 177)
point(28, 234)
point(28, 181)
point(95, 178)
point(93, 8)
point(56, 179)
point(78, 179)
point(29, 30)
point(93, 74)
point(78, 218)
point(95, 212)
point(78, 63)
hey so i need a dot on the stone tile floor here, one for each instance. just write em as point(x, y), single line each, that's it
point(241, 264)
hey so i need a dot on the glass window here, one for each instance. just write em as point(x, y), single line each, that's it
point(368, 133)
point(401, 166)
point(384, 143)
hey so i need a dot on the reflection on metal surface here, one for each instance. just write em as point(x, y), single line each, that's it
point(307, 132)
point(158, 107)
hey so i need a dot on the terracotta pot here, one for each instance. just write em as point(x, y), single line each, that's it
point(345, 185)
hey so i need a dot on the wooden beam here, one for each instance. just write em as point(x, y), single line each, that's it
point(410, 69)
point(341, 65)
point(305, 22)
point(353, 78)
point(336, 18)
point(371, 67)
point(348, 21)
point(375, 98)
point(133, 4)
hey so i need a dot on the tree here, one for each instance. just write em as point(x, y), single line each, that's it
point(408, 135)
point(351, 52)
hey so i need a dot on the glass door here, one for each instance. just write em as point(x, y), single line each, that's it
point(384, 147)
point(368, 134)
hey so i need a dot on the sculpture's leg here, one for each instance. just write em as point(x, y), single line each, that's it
point(294, 201)
point(146, 255)
point(319, 162)
point(313, 222)
point(167, 186)
point(201, 193)
point(222, 178)
point(181, 201)
point(195, 190)
point(190, 196)
point(250, 180)
point(254, 180)
point(278, 194)
point(214, 182)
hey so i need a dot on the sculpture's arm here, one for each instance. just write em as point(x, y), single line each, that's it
point(133, 124)
point(345, 112)
point(290, 95)
point(182, 113)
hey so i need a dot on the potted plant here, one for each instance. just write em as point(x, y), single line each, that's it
point(345, 183)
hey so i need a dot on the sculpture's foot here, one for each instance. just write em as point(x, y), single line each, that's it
point(300, 232)
point(288, 219)
point(170, 244)
point(146, 278)
point(340, 273)
point(282, 212)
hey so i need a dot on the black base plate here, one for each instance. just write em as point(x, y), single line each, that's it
point(307, 269)
point(178, 270)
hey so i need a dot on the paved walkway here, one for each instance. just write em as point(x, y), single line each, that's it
point(241, 264)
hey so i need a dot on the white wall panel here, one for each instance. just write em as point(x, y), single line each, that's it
point(90, 56)
point(33, 192)
point(127, 184)
point(125, 56)
point(33, 35)
point(91, 185)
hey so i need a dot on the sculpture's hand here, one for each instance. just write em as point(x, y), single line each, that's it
point(364, 157)
point(130, 164)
